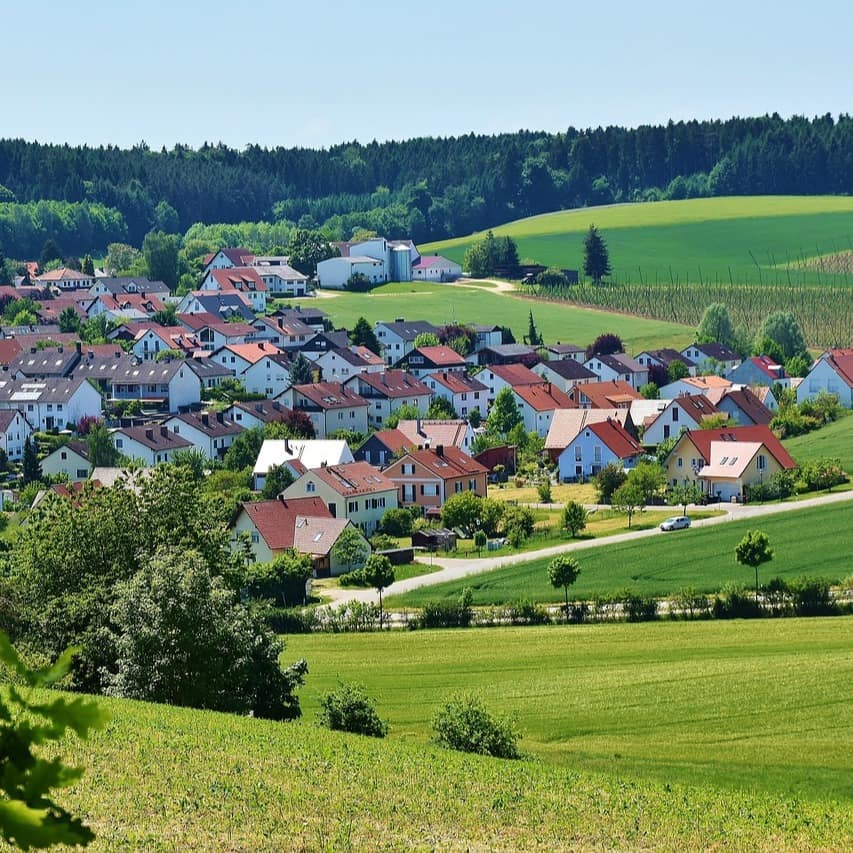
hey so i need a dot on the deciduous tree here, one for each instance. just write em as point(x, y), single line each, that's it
point(563, 571)
point(754, 550)
point(379, 573)
point(574, 518)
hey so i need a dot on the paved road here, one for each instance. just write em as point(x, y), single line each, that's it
point(455, 568)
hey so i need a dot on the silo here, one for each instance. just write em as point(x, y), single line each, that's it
point(401, 264)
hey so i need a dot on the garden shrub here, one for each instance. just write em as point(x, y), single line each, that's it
point(464, 724)
point(448, 614)
point(350, 709)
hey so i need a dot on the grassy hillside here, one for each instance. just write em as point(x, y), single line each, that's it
point(834, 441)
point(713, 235)
point(701, 557)
point(448, 303)
point(637, 703)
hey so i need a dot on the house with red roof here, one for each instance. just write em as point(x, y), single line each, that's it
point(304, 525)
point(213, 332)
point(284, 332)
point(151, 339)
point(661, 420)
point(422, 361)
point(343, 363)
point(832, 373)
point(763, 452)
point(596, 445)
point(435, 268)
point(758, 370)
point(382, 446)
point(464, 393)
point(741, 405)
point(537, 404)
point(356, 491)
point(330, 405)
point(615, 394)
point(227, 258)
point(426, 478)
point(244, 280)
point(496, 377)
point(388, 391)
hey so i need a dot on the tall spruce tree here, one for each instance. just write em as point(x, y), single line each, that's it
point(30, 468)
point(301, 372)
point(596, 259)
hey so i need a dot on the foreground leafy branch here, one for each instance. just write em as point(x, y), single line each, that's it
point(29, 817)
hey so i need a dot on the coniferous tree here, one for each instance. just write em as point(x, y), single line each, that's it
point(596, 258)
point(362, 335)
point(301, 372)
point(533, 336)
point(30, 468)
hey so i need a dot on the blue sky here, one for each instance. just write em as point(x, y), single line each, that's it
point(316, 73)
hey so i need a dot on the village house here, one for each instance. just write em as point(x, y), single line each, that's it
point(65, 279)
point(487, 336)
point(661, 420)
point(388, 391)
point(435, 268)
point(285, 332)
point(242, 280)
point(341, 365)
point(561, 352)
point(568, 423)
point(298, 455)
point(565, 373)
point(496, 377)
point(214, 333)
point(223, 306)
point(706, 385)
point(692, 452)
point(15, 429)
point(382, 446)
point(123, 285)
point(758, 370)
point(663, 358)
point(51, 404)
point(506, 354)
point(254, 414)
point(330, 406)
point(304, 525)
point(71, 460)
point(432, 432)
point(397, 339)
point(210, 432)
point(464, 393)
point(168, 385)
point(282, 279)
point(616, 394)
point(712, 358)
point(742, 406)
point(427, 478)
point(832, 373)
point(537, 404)
point(149, 342)
point(596, 445)
point(422, 361)
point(227, 258)
point(618, 367)
point(149, 444)
point(356, 491)
point(210, 374)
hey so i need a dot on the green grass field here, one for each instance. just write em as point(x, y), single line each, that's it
point(669, 736)
point(447, 303)
point(701, 557)
point(713, 235)
point(762, 705)
point(834, 441)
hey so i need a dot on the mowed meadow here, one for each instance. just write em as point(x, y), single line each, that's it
point(814, 542)
point(671, 735)
point(708, 238)
point(463, 303)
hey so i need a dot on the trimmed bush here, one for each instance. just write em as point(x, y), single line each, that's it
point(350, 709)
point(464, 724)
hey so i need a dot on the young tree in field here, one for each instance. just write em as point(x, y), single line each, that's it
point(684, 494)
point(716, 326)
point(480, 541)
point(504, 414)
point(563, 571)
point(301, 372)
point(574, 518)
point(379, 573)
point(754, 550)
point(649, 477)
point(350, 549)
point(461, 510)
point(630, 499)
point(596, 258)
point(362, 335)
point(426, 339)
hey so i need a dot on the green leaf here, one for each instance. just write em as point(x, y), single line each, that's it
point(28, 827)
point(78, 714)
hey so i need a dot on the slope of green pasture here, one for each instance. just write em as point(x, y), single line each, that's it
point(759, 705)
point(766, 706)
point(814, 541)
point(713, 235)
point(441, 304)
point(833, 441)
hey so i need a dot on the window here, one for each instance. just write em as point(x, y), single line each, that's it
point(578, 453)
point(680, 463)
point(119, 442)
point(255, 537)
point(674, 414)
point(472, 485)
point(63, 455)
point(597, 453)
point(761, 462)
point(310, 487)
point(352, 506)
point(666, 430)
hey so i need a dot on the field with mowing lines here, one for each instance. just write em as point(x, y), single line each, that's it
point(761, 705)
point(834, 441)
point(669, 736)
point(701, 557)
point(441, 304)
point(708, 237)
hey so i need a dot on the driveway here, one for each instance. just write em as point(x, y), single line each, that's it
point(461, 567)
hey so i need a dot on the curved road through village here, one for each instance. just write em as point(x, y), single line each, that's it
point(455, 568)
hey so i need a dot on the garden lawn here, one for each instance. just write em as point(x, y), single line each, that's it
point(717, 236)
point(764, 705)
point(833, 441)
point(816, 541)
point(441, 304)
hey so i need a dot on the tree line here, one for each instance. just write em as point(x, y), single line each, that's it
point(424, 188)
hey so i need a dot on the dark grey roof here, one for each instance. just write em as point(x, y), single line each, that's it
point(408, 331)
point(121, 284)
point(568, 368)
point(717, 352)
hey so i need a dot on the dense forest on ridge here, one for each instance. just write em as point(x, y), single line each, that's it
point(426, 188)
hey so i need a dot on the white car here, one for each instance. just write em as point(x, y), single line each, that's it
point(677, 522)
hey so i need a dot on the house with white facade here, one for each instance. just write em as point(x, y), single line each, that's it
point(663, 358)
point(282, 279)
point(285, 332)
point(334, 273)
point(565, 373)
point(436, 268)
point(330, 406)
point(567, 423)
point(71, 460)
point(661, 420)
point(388, 391)
point(712, 358)
point(243, 280)
point(356, 491)
point(149, 444)
point(537, 404)
point(15, 429)
point(618, 367)
point(51, 404)
point(227, 259)
point(169, 384)
point(595, 446)
point(254, 414)
point(342, 364)
point(832, 373)
point(210, 432)
point(397, 339)
point(496, 377)
point(465, 393)
point(424, 361)
point(65, 279)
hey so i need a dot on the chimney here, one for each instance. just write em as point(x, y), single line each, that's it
point(418, 428)
point(205, 418)
point(220, 417)
point(149, 434)
point(286, 445)
point(78, 347)
point(260, 345)
point(164, 431)
point(439, 450)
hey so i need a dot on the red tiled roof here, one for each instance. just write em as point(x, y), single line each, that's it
point(253, 353)
point(515, 374)
point(239, 278)
point(330, 395)
point(545, 397)
point(605, 395)
point(354, 478)
point(843, 364)
point(393, 383)
point(275, 520)
point(9, 349)
point(450, 464)
point(702, 438)
point(616, 437)
point(441, 355)
point(393, 439)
